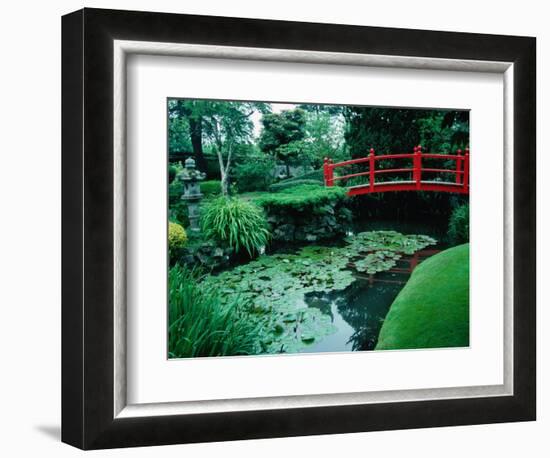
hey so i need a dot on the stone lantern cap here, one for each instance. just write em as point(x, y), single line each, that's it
point(190, 172)
point(190, 163)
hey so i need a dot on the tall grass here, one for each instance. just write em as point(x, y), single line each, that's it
point(200, 326)
point(236, 222)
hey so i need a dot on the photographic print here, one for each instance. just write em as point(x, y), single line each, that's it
point(312, 228)
point(293, 200)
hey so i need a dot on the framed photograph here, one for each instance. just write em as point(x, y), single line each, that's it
point(278, 228)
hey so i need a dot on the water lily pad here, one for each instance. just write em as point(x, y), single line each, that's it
point(275, 285)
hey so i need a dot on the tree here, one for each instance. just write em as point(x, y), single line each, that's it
point(398, 130)
point(178, 135)
point(387, 130)
point(333, 110)
point(185, 128)
point(282, 133)
point(226, 125)
point(324, 135)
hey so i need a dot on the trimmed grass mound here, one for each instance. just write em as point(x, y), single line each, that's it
point(432, 310)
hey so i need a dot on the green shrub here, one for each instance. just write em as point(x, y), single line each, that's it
point(303, 197)
point(172, 171)
point(459, 225)
point(211, 188)
point(179, 213)
point(256, 174)
point(316, 174)
point(276, 187)
point(237, 223)
point(177, 238)
point(199, 325)
point(175, 191)
point(212, 167)
point(177, 208)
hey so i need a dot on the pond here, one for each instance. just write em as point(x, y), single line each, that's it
point(358, 312)
point(330, 298)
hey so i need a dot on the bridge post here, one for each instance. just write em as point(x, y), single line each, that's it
point(466, 176)
point(371, 170)
point(328, 172)
point(459, 159)
point(417, 165)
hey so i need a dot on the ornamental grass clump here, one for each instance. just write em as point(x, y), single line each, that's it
point(199, 325)
point(237, 223)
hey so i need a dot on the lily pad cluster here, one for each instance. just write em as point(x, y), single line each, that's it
point(377, 261)
point(365, 242)
point(274, 285)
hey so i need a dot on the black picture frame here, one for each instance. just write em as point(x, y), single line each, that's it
point(88, 419)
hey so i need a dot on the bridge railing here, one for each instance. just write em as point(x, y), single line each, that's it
point(461, 172)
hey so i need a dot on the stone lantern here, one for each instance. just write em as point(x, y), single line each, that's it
point(191, 178)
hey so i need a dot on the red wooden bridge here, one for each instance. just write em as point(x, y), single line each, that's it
point(460, 173)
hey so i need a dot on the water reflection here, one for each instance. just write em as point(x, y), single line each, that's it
point(359, 311)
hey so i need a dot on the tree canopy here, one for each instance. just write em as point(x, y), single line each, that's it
point(224, 134)
point(398, 130)
point(281, 133)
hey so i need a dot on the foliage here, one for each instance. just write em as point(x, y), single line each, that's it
point(211, 188)
point(390, 130)
point(445, 131)
point(220, 126)
point(276, 187)
point(185, 124)
point(432, 310)
point(294, 153)
point(237, 223)
point(178, 136)
point(302, 197)
point(282, 133)
point(177, 208)
point(317, 174)
point(276, 285)
point(324, 136)
point(255, 174)
point(459, 225)
point(172, 172)
point(177, 238)
point(175, 186)
point(199, 325)
point(387, 130)
point(226, 125)
point(179, 213)
point(281, 129)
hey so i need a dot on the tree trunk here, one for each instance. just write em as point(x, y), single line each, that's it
point(225, 185)
point(223, 172)
point(195, 131)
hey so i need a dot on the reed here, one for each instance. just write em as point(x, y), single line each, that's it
point(200, 326)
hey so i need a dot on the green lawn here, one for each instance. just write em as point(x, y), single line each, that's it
point(432, 310)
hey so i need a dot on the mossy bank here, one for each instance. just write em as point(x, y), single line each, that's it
point(432, 310)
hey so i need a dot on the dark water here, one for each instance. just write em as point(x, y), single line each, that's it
point(358, 312)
